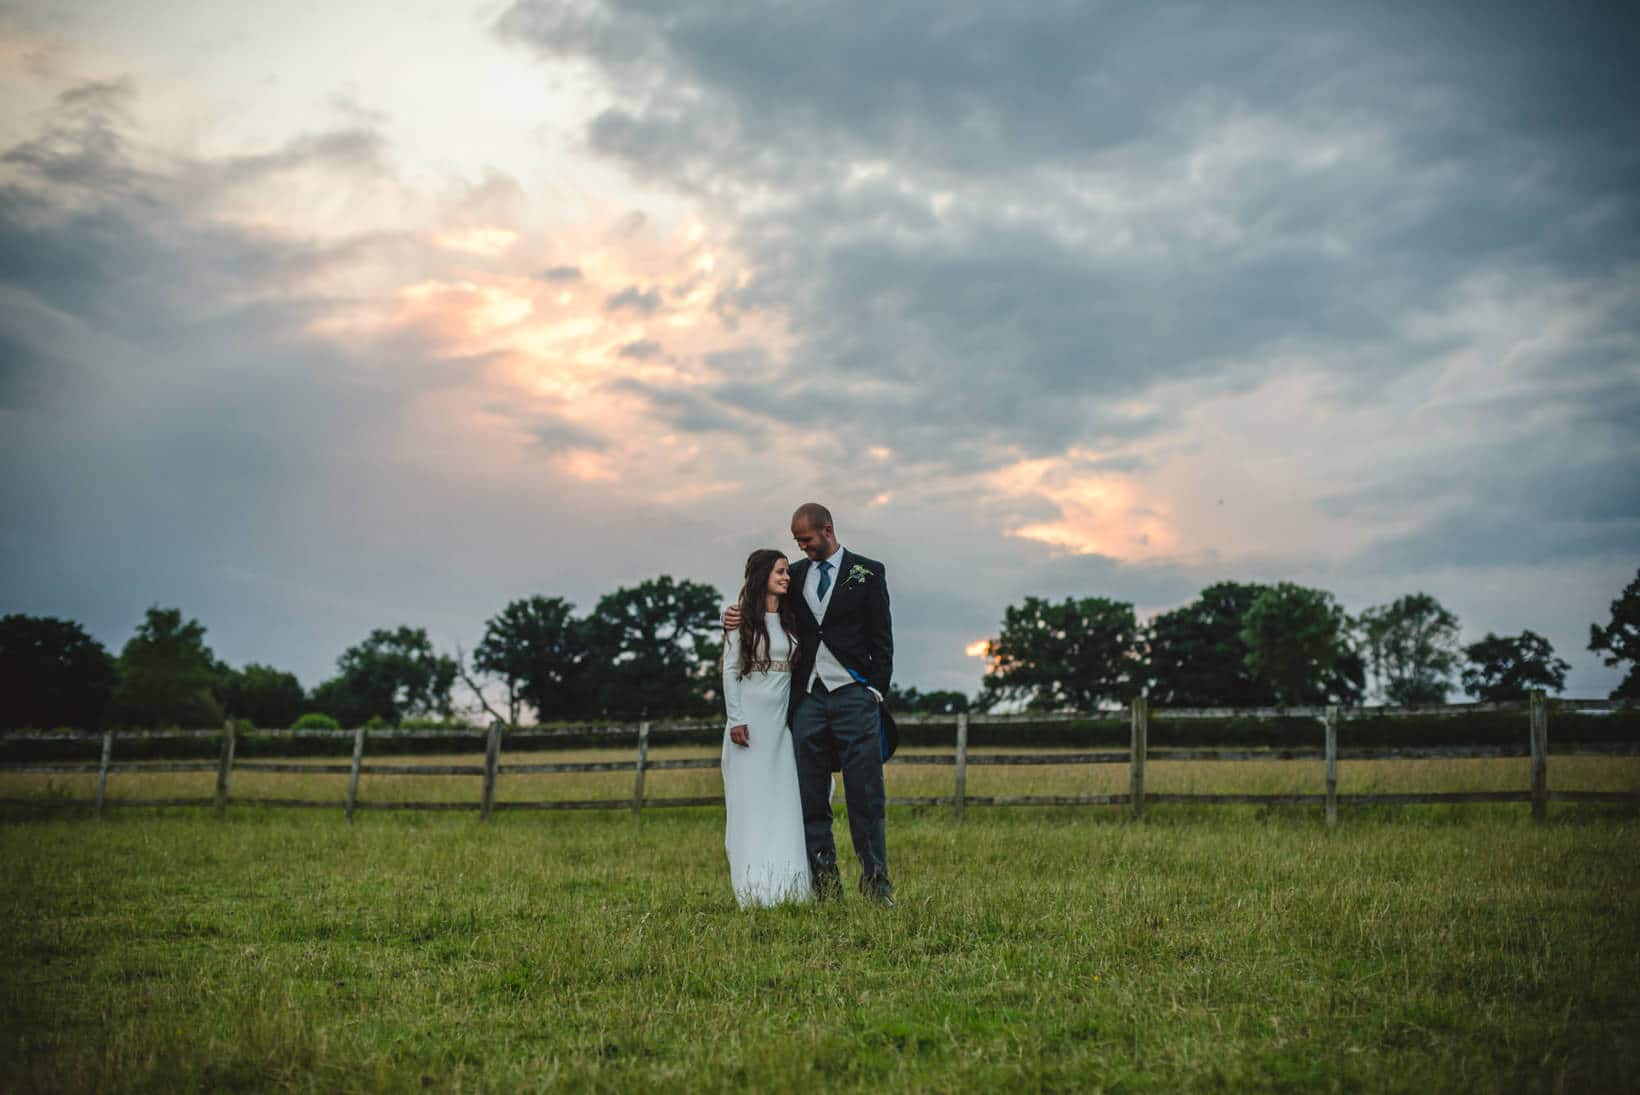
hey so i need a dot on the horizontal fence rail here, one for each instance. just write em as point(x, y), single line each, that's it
point(1535, 748)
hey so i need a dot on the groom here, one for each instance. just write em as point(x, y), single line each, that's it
point(844, 663)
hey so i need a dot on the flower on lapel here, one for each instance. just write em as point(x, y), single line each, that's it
point(858, 573)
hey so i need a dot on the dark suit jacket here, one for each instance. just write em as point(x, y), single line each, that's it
point(857, 627)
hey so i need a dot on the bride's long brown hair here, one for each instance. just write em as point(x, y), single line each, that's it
point(754, 627)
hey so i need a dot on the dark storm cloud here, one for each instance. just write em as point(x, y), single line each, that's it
point(991, 228)
point(1515, 507)
point(1551, 476)
point(645, 301)
point(688, 410)
point(356, 148)
point(644, 349)
point(1476, 537)
point(560, 434)
point(103, 96)
point(80, 145)
point(978, 87)
point(83, 233)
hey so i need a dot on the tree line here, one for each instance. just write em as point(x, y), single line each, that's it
point(649, 649)
point(652, 650)
point(1241, 644)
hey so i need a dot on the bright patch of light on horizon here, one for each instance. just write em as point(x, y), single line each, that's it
point(468, 306)
point(1100, 512)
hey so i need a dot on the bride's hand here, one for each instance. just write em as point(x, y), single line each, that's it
point(731, 618)
point(740, 735)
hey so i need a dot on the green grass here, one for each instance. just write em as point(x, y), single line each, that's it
point(1441, 948)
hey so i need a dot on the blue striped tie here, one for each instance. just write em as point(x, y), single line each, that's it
point(825, 580)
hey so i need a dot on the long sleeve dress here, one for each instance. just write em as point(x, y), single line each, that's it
point(768, 863)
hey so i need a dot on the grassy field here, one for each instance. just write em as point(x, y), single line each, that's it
point(1208, 948)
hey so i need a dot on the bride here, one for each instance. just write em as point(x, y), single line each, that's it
point(768, 863)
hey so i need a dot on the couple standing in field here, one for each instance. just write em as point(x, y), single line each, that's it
point(806, 667)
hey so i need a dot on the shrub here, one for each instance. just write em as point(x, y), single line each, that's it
point(313, 720)
point(436, 724)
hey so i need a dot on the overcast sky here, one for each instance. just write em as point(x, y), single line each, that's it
point(321, 317)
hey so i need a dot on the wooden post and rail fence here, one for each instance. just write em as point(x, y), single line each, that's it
point(1535, 748)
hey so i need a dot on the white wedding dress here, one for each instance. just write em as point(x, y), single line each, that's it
point(768, 862)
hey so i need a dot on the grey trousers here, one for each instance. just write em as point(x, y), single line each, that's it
point(841, 725)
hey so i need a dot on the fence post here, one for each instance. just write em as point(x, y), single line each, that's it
point(643, 758)
point(353, 773)
point(1540, 754)
point(1332, 766)
point(962, 763)
point(492, 753)
point(223, 767)
point(102, 770)
point(1136, 759)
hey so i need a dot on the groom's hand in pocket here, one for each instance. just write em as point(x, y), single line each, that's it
point(740, 735)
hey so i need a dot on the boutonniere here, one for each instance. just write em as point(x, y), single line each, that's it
point(858, 573)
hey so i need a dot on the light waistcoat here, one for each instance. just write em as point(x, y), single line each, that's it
point(827, 668)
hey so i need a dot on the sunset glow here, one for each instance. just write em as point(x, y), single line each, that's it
point(1099, 514)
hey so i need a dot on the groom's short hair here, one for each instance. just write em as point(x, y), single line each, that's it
point(817, 516)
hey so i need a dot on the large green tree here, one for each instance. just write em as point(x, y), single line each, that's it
point(1507, 667)
point(537, 649)
point(1298, 643)
point(1197, 655)
point(391, 675)
point(1412, 645)
point(1619, 640)
point(268, 697)
point(652, 650)
point(168, 676)
point(52, 674)
point(1071, 655)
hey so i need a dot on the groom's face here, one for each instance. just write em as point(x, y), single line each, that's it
point(816, 543)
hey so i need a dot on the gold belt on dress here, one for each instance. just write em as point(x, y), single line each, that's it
point(776, 667)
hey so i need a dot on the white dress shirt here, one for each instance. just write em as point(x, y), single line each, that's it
point(827, 669)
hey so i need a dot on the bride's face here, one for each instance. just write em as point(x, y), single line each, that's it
point(780, 578)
